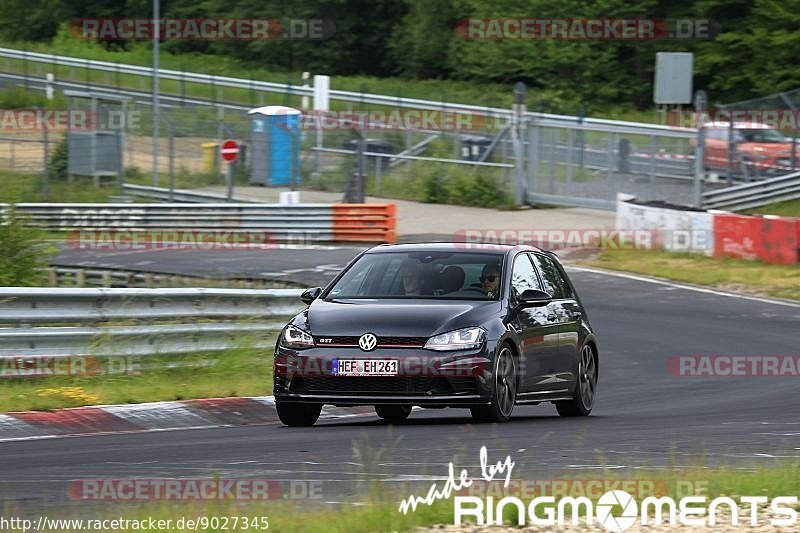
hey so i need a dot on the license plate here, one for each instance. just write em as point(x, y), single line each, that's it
point(364, 367)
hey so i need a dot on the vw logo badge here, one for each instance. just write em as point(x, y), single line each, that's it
point(367, 342)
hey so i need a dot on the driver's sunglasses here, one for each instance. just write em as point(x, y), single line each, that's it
point(490, 278)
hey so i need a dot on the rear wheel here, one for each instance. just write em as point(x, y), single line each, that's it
point(586, 388)
point(394, 414)
point(298, 414)
point(504, 392)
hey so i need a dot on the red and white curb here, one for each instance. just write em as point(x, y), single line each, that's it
point(154, 416)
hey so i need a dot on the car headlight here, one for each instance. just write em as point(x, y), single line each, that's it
point(462, 339)
point(294, 337)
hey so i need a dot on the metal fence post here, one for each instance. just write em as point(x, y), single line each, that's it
point(610, 165)
point(570, 148)
point(517, 136)
point(731, 150)
point(378, 172)
point(46, 172)
point(700, 149)
point(653, 152)
point(790, 104)
point(533, 158)
point(171, 156)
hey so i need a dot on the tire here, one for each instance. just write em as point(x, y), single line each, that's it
point(298, 414)
point(504, 390)
point(585, 388)
point(394, 414)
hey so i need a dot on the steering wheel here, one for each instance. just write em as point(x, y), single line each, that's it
point(474, 289)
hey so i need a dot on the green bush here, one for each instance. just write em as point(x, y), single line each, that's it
point(22, 254)
point(59, 160)
point(433, 190)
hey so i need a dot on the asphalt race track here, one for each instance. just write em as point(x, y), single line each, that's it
point(644, 417)
point(299, 265)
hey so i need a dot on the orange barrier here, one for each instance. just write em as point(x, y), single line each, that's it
point(770, 239)
point(365, 222)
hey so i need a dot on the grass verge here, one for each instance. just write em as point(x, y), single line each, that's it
point(378, 510)
point(28, 187)
point(237, 371)
point(789, 208)
point(782, 281)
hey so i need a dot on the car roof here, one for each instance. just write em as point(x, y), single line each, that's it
point(457, 247)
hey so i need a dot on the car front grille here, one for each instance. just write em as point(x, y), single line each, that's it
point(377, 384)
point(383, 342)
point(405, 385)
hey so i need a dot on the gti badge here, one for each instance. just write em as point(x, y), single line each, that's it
point(367, 342)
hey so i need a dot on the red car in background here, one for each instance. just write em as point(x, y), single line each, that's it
point(759, 149)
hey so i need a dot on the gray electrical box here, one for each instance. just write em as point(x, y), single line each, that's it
point(94, 153)
point(673, 82)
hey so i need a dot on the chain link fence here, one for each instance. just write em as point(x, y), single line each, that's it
point(413, 149)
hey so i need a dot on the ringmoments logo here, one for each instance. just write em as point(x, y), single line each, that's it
point(615, 510)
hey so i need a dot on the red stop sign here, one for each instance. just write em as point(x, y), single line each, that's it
point(229, 150)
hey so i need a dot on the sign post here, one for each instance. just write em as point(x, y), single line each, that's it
point(229, 152)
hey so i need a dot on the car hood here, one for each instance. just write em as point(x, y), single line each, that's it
point(402, 318)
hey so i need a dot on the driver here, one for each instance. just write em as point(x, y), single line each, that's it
point(490, 279)
point(412, 278)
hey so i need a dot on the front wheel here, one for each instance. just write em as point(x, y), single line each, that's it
point(394, 414)
point(504, 393)
point(585, 390)
point(298, 414)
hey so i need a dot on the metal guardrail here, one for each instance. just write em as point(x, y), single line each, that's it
point(278, 222)
point(541, 119)
point(177, 195)
point(754, 194)
point(66, 276)
point(230, 224)
point(56, 322)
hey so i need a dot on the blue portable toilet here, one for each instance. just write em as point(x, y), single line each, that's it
point(275, 148)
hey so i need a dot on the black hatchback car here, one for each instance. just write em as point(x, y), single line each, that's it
point(482, 327)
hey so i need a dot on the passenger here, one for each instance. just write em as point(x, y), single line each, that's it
point(412, 278)
point(490, 279)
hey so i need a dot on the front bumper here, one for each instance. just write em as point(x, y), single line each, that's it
point(424, 377)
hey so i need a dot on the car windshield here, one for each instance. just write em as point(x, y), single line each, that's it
point(761, 136)
point(421, 274)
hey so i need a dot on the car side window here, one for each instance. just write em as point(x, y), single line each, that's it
point(551, 276)
point(523, 276)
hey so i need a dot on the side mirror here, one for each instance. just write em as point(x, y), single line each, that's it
point(534, 298)
point(309, 295)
